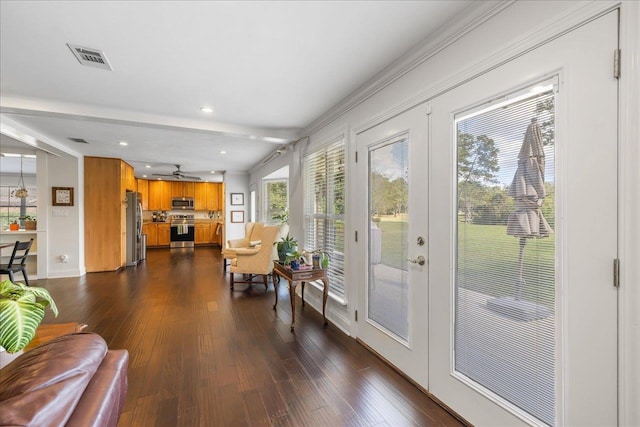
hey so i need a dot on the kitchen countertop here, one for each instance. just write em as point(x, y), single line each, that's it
point(8, 232)
point(197, 221)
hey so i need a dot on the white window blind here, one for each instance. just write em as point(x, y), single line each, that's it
point(324, 209)
point(505, 254)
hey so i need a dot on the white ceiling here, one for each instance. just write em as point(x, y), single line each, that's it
point(268, 69)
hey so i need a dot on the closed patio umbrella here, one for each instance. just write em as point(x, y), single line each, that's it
point(526, 221)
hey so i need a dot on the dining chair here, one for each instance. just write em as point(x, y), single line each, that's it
point(18, 261)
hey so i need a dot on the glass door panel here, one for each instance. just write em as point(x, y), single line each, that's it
point(388, 285)
point(505, 257)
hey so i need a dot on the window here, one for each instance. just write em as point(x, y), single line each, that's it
point(505, 256)
point(324, 209)
point(252, 206)
point(275, 196)
point(275, 199)
point(12, 208)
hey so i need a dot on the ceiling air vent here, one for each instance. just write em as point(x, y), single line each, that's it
point(90, 57)
point(79, 140)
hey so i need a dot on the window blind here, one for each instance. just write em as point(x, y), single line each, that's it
point(505, 254)
point(324, 209)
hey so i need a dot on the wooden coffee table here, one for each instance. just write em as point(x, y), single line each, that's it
point(300, 276)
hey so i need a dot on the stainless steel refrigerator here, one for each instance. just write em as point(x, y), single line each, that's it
point(134, 228)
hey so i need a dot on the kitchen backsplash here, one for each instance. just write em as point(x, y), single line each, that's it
point(148, 215)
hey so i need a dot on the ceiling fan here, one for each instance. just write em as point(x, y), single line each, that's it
point(178, 174)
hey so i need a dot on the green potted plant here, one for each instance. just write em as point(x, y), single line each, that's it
point(22, 308)
point(293, 259)
point(286, 245)
point(30, 222)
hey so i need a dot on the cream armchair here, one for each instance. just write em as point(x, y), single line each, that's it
point(256, 261)
point(252, 237)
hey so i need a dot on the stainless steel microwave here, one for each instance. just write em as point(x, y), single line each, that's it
point(184, 203)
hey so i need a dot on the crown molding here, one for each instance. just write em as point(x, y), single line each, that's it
point(474, 17)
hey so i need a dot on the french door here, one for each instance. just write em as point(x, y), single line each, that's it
point(392, 304)
point(506, 188)
point(523, 235)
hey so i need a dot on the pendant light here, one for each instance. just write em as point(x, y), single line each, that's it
point(21, 192)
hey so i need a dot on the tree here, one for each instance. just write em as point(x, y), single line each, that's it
point(545, 112)
point(277, 198)
point(477, 165)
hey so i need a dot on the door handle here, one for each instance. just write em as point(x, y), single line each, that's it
point(419, 260)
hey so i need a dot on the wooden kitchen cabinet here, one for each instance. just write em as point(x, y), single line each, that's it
point(151, 230)
point(200, 196)
point(182, 189)
point(213, 196)
point(164, 234)
point(202, 233)
point(159, 195)
point(105, 184)
point(143, 189)
point(207, 195)
point(213, 236)
point(127, 176)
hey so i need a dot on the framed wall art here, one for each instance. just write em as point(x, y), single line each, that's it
point(237, 199)
point(237, 216)
point(62, 196)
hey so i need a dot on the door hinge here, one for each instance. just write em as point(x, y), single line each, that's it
point(356, 157)
point(356, 315)
point(616, 273)
point(356, 236)
point(616, 63)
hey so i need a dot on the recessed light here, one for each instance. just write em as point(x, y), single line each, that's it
point(223, 152)
point(206, 109)
point(144, 176)
point(147, 166)
point(213, 171)
point(124, 143)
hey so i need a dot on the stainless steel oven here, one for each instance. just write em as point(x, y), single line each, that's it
point(182, 231)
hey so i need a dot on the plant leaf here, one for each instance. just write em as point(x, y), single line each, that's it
point(18, 322)
point(22, 308)
point(43, 294)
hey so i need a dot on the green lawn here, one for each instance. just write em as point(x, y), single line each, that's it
point(394, 237)
point(488, 260)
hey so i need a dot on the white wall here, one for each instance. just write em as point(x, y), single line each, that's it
point(61, 227)
point(235, 182)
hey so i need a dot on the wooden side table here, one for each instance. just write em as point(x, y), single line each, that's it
point(300, 276)
point(47, 332)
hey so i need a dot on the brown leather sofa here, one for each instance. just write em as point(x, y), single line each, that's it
point(72, 380)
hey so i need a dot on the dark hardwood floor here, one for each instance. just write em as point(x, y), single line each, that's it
point(201, 355)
